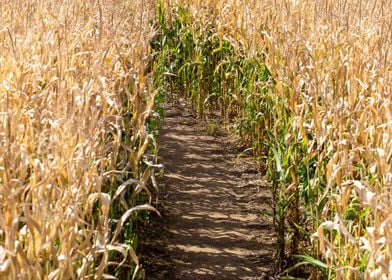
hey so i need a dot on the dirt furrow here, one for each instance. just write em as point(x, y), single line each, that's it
point(216, 208)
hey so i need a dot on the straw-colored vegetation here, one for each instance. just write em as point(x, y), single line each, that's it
point(307, 85)
point(76, 136)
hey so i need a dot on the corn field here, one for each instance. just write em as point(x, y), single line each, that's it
point(77, 147)
point(305, 84)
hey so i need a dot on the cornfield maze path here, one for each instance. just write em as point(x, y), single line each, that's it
point(217, 221)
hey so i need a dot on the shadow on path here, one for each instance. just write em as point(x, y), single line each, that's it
point(216, 210)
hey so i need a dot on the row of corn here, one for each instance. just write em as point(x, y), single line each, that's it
point(77, 148)
point(307, 86)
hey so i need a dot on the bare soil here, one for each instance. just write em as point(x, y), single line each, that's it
point(216, 208)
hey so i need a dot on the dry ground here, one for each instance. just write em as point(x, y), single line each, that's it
point(216, 210)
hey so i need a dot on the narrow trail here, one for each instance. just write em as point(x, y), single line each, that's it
point(216, 210)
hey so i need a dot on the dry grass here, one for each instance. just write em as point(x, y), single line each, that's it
point(332, 67)
point(74, 102)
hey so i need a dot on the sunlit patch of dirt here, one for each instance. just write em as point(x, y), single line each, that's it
point(217, 221)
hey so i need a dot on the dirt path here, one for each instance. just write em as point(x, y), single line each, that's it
point(216, 210)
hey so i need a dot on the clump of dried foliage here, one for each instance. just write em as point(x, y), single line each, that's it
point(76, 145)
